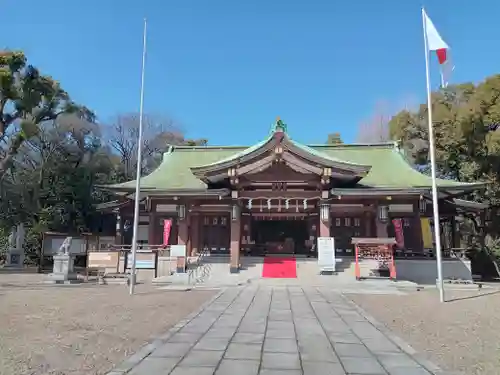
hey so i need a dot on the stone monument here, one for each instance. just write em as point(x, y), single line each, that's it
point(63, 270)
point(15, 247)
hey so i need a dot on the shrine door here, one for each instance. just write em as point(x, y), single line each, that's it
point(343, 229)
point(215, 233)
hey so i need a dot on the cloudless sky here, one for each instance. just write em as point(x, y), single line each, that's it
point(224, 69)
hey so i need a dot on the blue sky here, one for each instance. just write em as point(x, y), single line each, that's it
point(225, 69)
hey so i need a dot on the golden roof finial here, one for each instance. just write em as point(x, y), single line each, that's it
point(277, 118)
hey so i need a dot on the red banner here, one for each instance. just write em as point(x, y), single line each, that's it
point(167, 226)
point(398, 231)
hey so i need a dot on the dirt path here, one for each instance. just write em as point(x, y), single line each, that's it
point(462, 335)
point(82, 329)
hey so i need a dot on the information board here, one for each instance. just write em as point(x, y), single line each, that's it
point(177, 250)
point(103, 260)
point(326, 254)
point(144, 260)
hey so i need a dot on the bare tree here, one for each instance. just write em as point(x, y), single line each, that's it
point(159, 132)
point(376, 128)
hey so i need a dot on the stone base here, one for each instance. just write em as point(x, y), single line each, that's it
point(61, 278)
point(327, 272)
point(63, 282)
point(15, 259)
point(114, 281)
point(13, 267)
point(175, 279)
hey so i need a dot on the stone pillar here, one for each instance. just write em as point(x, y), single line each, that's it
point(235, 242)
point(182, 238)
point(15, 247)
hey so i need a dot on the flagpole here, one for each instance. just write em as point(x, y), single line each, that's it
point(435, 207)
point(138, 171)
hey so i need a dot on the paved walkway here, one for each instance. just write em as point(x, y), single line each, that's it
point(274, 331)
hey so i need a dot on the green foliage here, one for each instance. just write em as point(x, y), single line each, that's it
point(466, 150)
point(4, 238)
point(28, 99)
point(53, 154)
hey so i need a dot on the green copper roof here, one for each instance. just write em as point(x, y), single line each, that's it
point(279, 125)
point(389, 167)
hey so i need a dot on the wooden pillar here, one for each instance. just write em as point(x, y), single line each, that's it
point(235, 240)
point(194, 234)
point(381, 228)
point(417, 228)
point(152, 229)
point(324, 219)
point(182, 238)
point(119, 229)
point(324, 228)
point(455, 234)
point(368, 218)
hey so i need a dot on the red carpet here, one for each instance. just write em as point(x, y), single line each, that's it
point(274, 267)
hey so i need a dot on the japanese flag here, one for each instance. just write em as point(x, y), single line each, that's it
point(437, 44)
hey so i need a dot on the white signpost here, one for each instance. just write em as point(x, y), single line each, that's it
point(177, 250)
point(326, 254)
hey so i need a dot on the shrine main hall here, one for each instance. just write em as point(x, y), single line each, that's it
point(278, 196)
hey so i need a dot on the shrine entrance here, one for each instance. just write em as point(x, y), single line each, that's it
point(284, 236)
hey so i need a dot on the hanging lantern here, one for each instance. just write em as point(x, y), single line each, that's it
point(383, 213)
point(422, 205)
point(181, 211)
point(324, 212)
point(235, 212)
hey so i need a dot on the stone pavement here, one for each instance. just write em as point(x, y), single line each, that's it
point(271, 330)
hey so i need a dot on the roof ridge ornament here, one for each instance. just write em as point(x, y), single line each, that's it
point(279, 126)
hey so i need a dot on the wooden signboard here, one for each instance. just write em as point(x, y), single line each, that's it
point(103, 259)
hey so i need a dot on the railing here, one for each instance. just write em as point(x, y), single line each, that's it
point(193, 276)
point(142, 248)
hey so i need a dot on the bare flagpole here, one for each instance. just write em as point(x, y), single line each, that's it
point(435, 207)
point(138, 172)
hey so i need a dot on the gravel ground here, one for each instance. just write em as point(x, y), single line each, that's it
point(83, 329)
point(461, 336)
